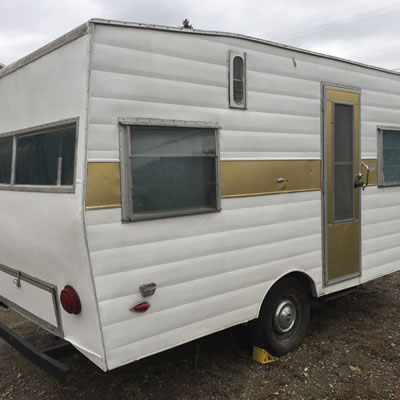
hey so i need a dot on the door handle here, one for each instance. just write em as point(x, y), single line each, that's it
point(367, 168)
point(358, 182)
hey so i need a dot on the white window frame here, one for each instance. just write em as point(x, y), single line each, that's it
point(381, 161)
point(232, 102)
point(37, 130)
point(124, 142)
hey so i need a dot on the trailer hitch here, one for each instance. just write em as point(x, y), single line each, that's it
point(47, 359)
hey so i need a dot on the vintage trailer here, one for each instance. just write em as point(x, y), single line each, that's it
point(161, 184)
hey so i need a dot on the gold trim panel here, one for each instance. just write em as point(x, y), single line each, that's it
point(343, 239)
point(103, 185)
point(238, 179)
point(339, 95)
point(252, 178)
point(373, 171)
point(343, 250)
point(103, 207)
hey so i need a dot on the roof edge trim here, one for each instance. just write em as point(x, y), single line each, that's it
point(85, 28)
point(100, 21)
point(76, 33)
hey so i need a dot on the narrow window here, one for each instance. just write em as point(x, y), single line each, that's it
point(237, 88)
point(389, 157)
point(5, 160)
point(171, 171)
point(238, 81)
point(343, 162)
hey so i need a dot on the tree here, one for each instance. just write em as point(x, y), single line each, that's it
point(186, 24)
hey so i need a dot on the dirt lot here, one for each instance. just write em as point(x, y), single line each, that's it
point(352, 351)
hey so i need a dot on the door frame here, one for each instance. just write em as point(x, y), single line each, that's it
point(324, 192)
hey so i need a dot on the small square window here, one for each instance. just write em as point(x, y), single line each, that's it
point(170, 171)
point(389, 157)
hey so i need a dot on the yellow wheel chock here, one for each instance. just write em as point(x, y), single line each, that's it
point(262, 356)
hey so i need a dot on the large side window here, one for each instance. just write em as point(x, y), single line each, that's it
point(237, 80)
point(39, 158)
point(46, 158)
point(388, 157)
point(6, 146)
point(170, 170)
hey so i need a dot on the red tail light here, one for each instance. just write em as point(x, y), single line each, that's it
point(70, 300)
point(141, 307)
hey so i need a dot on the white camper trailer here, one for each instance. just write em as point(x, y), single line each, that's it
point(161, 184)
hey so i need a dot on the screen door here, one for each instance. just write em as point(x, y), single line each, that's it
point(341, 185)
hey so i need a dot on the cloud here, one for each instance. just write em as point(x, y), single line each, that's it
point(27, 25)
point(345, 28)
point(14, 46)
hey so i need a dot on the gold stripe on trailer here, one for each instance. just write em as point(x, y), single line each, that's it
point(239, 178)
point(103, 185)
point(256, 178)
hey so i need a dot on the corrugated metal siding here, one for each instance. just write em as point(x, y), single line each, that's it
point(204, 266)
point(188, 76)
point(380, 232)
point(213, 270)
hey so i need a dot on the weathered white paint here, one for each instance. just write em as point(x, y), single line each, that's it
point(42, 307)
point(212, 270)
point(42, 234)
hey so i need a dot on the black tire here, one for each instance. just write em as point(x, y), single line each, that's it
point(282, 335)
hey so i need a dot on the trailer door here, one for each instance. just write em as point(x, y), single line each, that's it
point(341, 192)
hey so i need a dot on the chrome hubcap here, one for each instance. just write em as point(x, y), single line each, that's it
point(284, 317)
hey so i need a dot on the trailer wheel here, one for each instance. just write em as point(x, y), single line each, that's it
point(284, 317)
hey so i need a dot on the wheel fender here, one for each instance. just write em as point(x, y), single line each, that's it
point(306, 278)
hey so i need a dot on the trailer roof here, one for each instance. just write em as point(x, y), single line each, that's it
point(84, 29)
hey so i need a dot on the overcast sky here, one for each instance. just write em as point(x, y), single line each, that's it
point(361, 30)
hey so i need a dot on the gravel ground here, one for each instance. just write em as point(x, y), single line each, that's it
point(352, 351)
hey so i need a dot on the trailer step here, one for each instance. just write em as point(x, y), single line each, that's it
point(341, 293)
point(45, 359)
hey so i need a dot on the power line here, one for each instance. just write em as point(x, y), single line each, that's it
point(308, 22)
point(300, 34)
point(342, 22)
point(375, 51)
